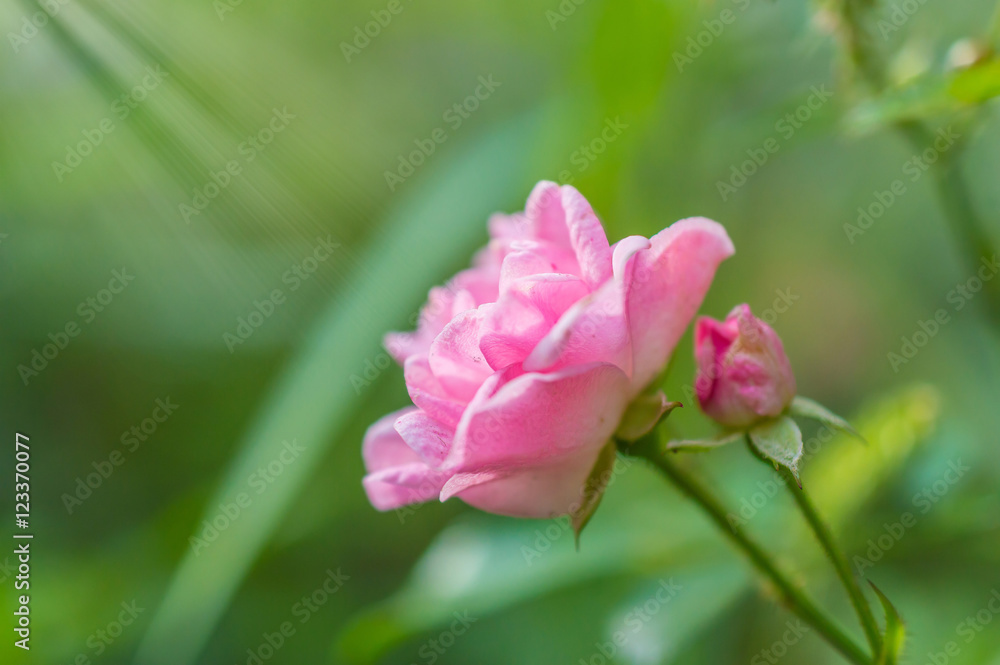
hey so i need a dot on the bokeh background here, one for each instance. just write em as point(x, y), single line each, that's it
point(118, 116)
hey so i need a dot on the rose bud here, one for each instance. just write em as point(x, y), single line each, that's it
point(743, 372)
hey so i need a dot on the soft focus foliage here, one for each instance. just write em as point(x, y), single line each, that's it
point(263, 99)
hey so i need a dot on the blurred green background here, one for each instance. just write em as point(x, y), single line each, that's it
point(213, 152)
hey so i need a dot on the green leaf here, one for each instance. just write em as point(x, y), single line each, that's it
point(701, 445)
point(923, 98)
point(976, 84)
point(593, 489)
point(807, 408)
point(928, 96)
point(895, 633)
point(643, 414)
point(779, 441)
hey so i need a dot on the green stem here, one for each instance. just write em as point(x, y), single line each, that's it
point(973, 238)
point(839, 560)
point(649, 449)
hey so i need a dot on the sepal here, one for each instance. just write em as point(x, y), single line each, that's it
point(779, 441)
point(593, 489)
point(643, 414)
point(807, 408)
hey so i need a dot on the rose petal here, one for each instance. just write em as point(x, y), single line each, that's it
point(546, 216)
point(595, 329)
point(562, 217)
point(527, 444)
point(434, 316)
point(623, 251)
point(520, 264)
point(534, 419)
point(396, 476)
point(478, 284)
point(382, 447)
point(427, 437)
point(666, 286)
point(428, 393)
point(400, 486)
point(536, 492)
point(508, 227)
point(711, 341)
point(587, 238)
point(455, 357)
point(525, 313)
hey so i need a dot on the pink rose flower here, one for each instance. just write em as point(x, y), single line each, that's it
point(522, 366)
point(743, 372)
